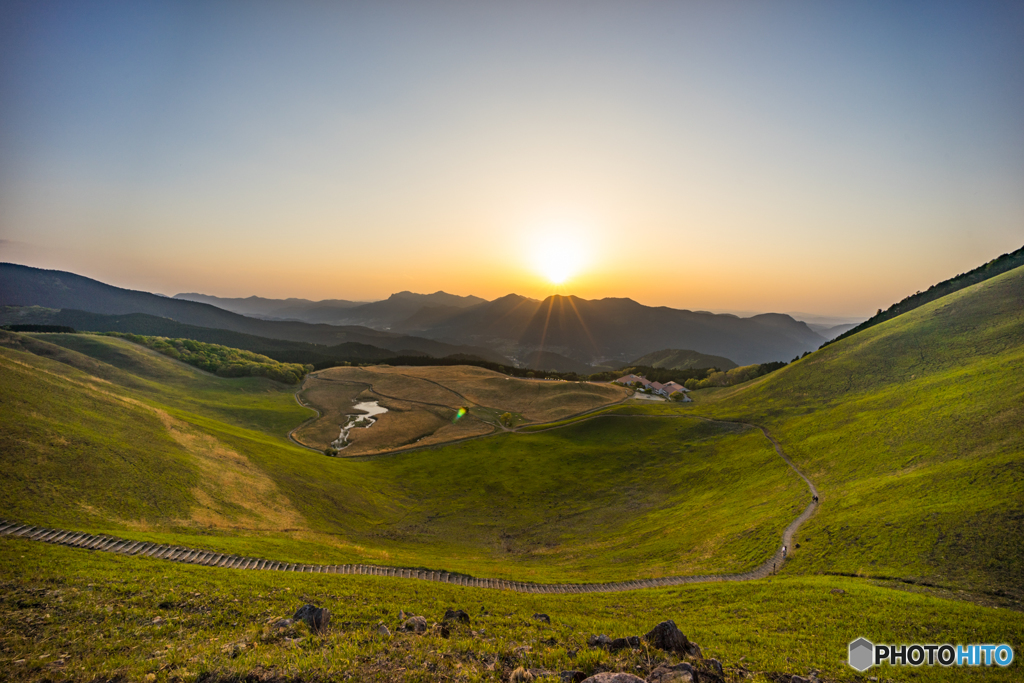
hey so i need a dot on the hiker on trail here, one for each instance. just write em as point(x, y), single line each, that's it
point(815, 498)
point(783, 551)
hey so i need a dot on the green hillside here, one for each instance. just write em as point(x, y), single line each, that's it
point(683, 359)
point(913, 431)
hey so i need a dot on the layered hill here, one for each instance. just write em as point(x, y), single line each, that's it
point(683, 359)
point(304, 310)
point(613, 330)
point(913, 431)
point(25, 286)
point(377, 314)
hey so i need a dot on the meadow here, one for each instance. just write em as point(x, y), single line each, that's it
point(81, 615)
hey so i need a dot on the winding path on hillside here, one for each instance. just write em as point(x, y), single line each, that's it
point(213, 559)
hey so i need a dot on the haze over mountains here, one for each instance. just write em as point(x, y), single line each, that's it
point(377, 314)
point(564, 333)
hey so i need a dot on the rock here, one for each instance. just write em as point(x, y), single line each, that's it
point(456, 615)
point(798, 679)
point(837, 591)
point(666, 636)
point(520, 675)
point(609, 677)
point(680, 673)
point(282, 623)
point(623, 643)
point(316, 618)
point(415, 625)
point(599, 641)
point(441, 629)
point(382, 630)
point(716, 667)
point(542, 617)
point(571, 676)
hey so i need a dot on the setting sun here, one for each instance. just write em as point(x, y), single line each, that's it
point(558, 257)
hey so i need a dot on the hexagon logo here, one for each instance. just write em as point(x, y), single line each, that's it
point(862, 654)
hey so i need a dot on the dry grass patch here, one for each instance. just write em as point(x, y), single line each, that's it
point(422, 402)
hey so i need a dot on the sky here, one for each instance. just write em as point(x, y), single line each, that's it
point(821, 157)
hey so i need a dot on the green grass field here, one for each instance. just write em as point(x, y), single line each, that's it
point(79, 615)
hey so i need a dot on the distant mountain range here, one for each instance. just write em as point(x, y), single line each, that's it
point(563, 333)
point(611, 331)
point(381, 315)
point(25, 286)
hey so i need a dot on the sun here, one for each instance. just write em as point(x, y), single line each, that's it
point(558, 257)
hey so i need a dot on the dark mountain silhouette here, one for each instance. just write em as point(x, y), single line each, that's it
point(25, 286)
point(325, 311)
point(390, 312)
point(615, 330)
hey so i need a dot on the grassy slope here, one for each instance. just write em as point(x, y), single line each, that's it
point(603, 500)
point(914, 433)
point(75, 615)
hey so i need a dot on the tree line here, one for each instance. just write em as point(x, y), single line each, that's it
point(223, 361)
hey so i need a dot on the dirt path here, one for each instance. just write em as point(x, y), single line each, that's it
point(212, 559)
point(291, 434)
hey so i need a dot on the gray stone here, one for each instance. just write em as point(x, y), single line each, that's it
point(798, 679)
point(382, 630)
point(666, 636)
point(623, 643)
point(415, 625)
point(680, 673)
point(542, 617)
point(316, 618)
point(599, 641)
point(717, 666)
point(456, 615)
point(609, 677)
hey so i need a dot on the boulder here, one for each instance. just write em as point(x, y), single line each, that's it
point(383, 630)
point(316, 618)
point(456, 615)
point(666, 636)
point(542, 617)
point(837, 591)
point(609, 677)
point(716, 666)
point(623, 643)
point(415, 625)
point(599, 641)
point(680, 673)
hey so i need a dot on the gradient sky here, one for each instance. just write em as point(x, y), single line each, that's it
point(822, 157)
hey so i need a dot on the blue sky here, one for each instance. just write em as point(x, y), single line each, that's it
point(824, 157)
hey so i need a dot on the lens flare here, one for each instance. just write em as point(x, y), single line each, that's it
point(459, 414)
